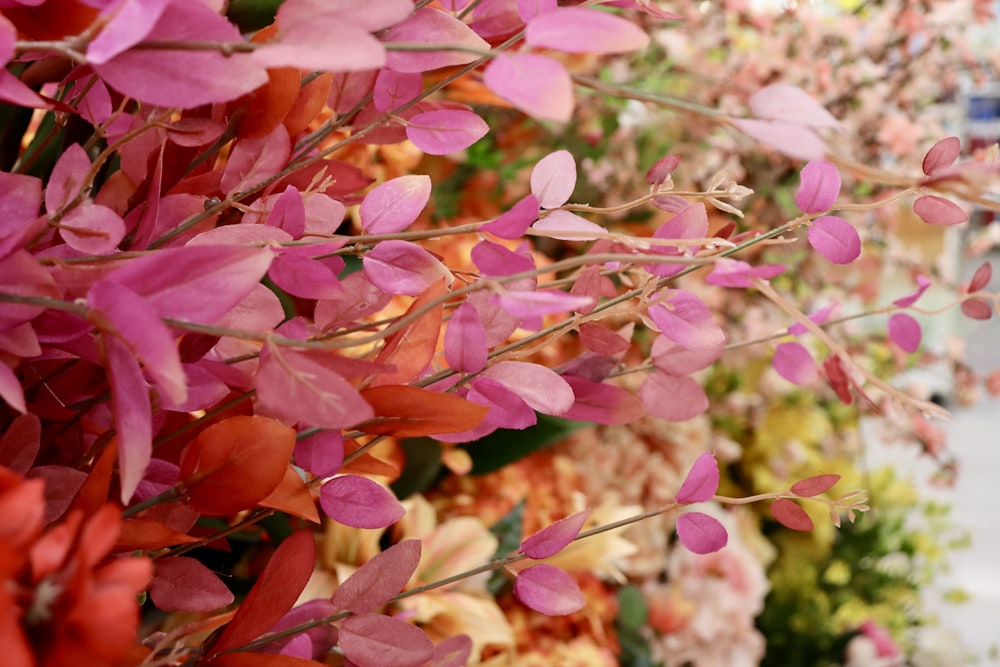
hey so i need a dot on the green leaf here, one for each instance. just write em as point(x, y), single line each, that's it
point(506, 446)
point(508, 531)
point(252, 15)
point(421, 467)
point(632, 610)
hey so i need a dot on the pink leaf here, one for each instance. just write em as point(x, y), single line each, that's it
point(129, 25)
point(184, 584)
point(507, 408)
point(394, 89)
point(21, 441)
point(452, 652)
point(554, 538)
point(321, 454)
point(537, 85)
point(184, 78)
point(394, 205)
point(20, 199)
point(936, 210)
point(566, 226)
point(675, 359)
point(444, 132)
point(360, 299)
point(982, 278)
point(548, 590)
point(685, 319)
point(401, 267)
point(136, 321)
point(304, 277)
point(602, 403)
point(14, 91)
point(432, 26)
point(665, 166)
point(737, 273)
point(783, 102)
point(92, 229)
point(540, 302)
point(819, 187)
point(794, 363)
point(689, 222)
point(513, 223)
point(701, 482)
point(493, 259)
point(373, 640)
point(68, 175)
point(379, 579)
point(195, 283)
point(675, 398)
point(302, 386)
point(905, 332)
point(359, 502)
point(582, 30)
point(132, 411)
point(194, 132)
point(922, 284)
point(553, 179)
point(813, 486)
point(835, 239)
point(253, 161)
point(942, 155)
point(541, 388)
point(977, 309)
point(288, 214)
point(819, 317)
point(701, 533)
point(602, 340)
point(465, 347)
point(794, 140)
point(529, 9)
point(11, 390)
point(790, 515)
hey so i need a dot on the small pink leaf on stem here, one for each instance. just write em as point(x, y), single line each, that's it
point(905, 332)
point(529, 9)
point(507, 408)
point(432, 26)
point(794, 363)
point(936, 210)
point(255, 160)
point(401, 267)
point(322, 454)
point(602, 403)
point(393, 206)
point(982, 278)
point(554, 538)
point(537, 85)
point(566, 226)
point(819, 187)
point(739, 274)
point(452, 652)
point(665, 166)
point(780, 101)
point(701, 482)
point(465, 347)
point(540, 387)
point(583, 30)
point(701, 533)
point(393, 89)
point(92, 229)
point(792, 139)
point(11, 390)
point(675, 398)
point(813, 486)
point(685, 319)
point(548, 590)
point(922, 284)
point(513, 223)
point(673, 359)
point(184, 584)
point(540, 302)
point(554, 178)
point(444, 132)
point(602, 340)
point(359, 502)
point(790, 515)
point(67, 177)
point(374, 640)
point(132, 410)
point(942, 155)
point(304, 277)
point(380, 578)
point(494, 259)
point(977, 308)
point(835, 239)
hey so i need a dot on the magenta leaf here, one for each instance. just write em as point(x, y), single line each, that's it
point(794, 363)
point(68, 175)
point(359, 502)
point(465, 347)
point(675, 398)
point(537, 85)
point(92, 229)
point(374, 640)
point(977, 309)
point(813, 486)
point(942, 155)
point(493, 259)
point(936, 210)
point(905, 332)
point(20, 199)
point(566, 226)
point(582, 30)
point(690, 221)
point(322, 454)
point(540, 387)
point(11, 390)
point(529, 9)
point(253, 161)
point(128, 26)
point(548, 590)
point(701, 533)
point(446, 131)
point(529, 303)
point(184, 584)
point(554, 178)
point(401, 267)
point(982, 278)
point(675, 359)
point(304, 277)
point(835, 239)
point(452, 652)
point(819, 317)
point(513, 223)
point(737, 273)
point(394, 205)
point(394, 89)
point(783, 102)
point(379, 579)
point(685, 319)
point(554, 538)
point(132, 410)
point(288, 213)
point(922, 284)
point(507, 408)
point(302, 386)
point(184, 78)
point(792, 139)
point(602, 403)
point(819, 187)
point(432, 26)
point(665, 166)
point(790, 515)
point(701, 482)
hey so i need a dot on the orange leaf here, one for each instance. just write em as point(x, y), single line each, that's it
point(94, 492)
point(148, 534)
point(292, 496)
point(310, 101)
point(234, 464)
point(411, 349)
point(411, 412)
point(366, 464)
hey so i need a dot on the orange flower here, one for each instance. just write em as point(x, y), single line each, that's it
point(62, 600)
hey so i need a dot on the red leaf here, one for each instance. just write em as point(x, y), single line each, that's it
point(20, 442)
point(292, 496)
point(813, 486)
point(148, 534)
point(936, 210)
point(982, 278)
point(701, 533)
point(819, 187)
point(554, 538)
point(379, 579)
point(243, 659)
point(410, 412)
point(977, 309)
point(234, 464)
point(537, 85)
point(276, 590)
point(411, 349)
point(582, 30)
point(61, 486)
point(839, 381)
point(373, 640)
point(701, 482)
point(790, 515)
point(942, 155)
point(359, 502)
point(549, 590)
point(394, 205)
point(184, 584)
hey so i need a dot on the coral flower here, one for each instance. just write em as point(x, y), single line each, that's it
point(63, 601)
